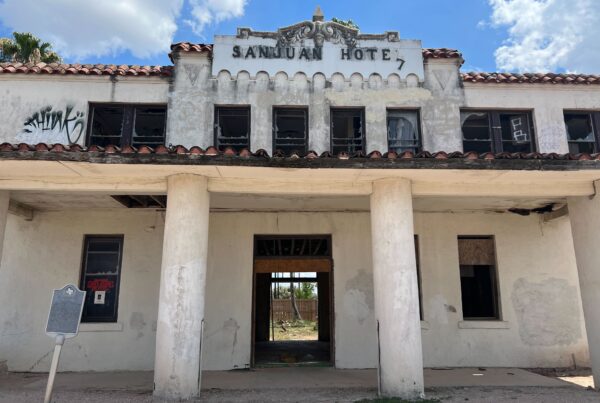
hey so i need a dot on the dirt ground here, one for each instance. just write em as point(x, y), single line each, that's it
point(471, 394)
point(298, 330)
point(309, 385)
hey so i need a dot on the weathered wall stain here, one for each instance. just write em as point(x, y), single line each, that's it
point(137, 322)
point(547, 312)
point(50, 125)
point(358, 298)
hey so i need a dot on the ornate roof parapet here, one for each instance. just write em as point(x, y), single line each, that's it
point(318, 46)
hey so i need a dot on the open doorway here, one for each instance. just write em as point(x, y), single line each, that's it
point(292, 304)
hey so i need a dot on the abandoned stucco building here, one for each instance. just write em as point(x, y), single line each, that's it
point(451, 218)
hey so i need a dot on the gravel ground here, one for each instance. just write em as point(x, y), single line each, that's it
point(471, 394)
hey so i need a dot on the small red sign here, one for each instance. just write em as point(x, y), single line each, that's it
point(100, 284)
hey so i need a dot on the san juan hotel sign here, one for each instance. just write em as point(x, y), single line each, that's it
point(317, 46)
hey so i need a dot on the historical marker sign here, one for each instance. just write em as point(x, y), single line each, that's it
point(65, 311)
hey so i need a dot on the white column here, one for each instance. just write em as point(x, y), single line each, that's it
point(585, 226)
point(396, 290)
point(4, 201)
point(177, 364)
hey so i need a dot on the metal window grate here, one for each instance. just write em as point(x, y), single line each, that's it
point(290, 130)
point(232, 127)
point(347, 130)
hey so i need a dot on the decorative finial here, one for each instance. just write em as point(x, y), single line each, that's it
point(318, 15)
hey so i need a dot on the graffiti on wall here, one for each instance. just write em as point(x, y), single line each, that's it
point(52, 125)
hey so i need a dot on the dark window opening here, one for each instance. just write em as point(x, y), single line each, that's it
point(127, 124)
point(142, 201)
point(494, 131)
point(232, 127)
point(347, 130)
point(100, 277)
point(290, 130)
point(582, 133)
point(419, 277)
point(403, 131)
point(149, 126)
point(478, 280)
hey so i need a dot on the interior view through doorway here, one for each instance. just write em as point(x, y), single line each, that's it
point(292, 303)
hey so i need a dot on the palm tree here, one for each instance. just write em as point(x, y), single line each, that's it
point(25, 47)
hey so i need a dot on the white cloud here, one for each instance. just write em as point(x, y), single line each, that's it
point(548, 35)
point(80, 29)
point(206, 12)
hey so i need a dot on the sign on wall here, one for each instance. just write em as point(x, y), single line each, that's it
point(317, 47)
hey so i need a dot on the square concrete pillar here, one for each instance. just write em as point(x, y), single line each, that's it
point(584, 213)
point(177, 367)
point(396, 290)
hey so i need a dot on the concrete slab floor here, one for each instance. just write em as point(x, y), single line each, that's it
point(300, 384)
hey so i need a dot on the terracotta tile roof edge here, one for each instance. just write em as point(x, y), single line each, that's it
point(86, 69)
point(530, 78)
point(212, 151)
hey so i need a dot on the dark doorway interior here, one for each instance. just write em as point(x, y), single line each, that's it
point(292, 301)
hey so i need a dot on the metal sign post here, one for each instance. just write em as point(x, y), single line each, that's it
point(63, 323)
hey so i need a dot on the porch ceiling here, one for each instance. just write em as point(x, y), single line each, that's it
point(66, 201)
point(64, 176)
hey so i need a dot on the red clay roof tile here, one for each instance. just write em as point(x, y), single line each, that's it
point(85, 69)
point(530, 78)
point(245, 153)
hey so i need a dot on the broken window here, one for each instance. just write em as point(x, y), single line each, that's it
point(494, 131)
point(290, 130)
point(478, 282)
point(232, 127)
point(582, 133)
point(403, 131)
point(347, 130)
point(127, 124)
point(100, 277)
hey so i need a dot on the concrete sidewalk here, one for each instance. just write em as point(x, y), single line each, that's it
point(298, 384)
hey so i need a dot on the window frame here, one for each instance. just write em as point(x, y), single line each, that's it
point(303, 108)
point(216, 125)
point(83, 275)
point(363, 126)
point(128, 124)
point(594, 116)
point(495, 282)
point(417, 111)
point(495, 127)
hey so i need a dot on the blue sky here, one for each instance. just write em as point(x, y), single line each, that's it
point(493, 35)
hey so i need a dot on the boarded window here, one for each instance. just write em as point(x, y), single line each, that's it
point(290, 130)
point(232, 127)
point(479, 289)
point(127, 124)
point(347, 130)
point(403, 131)
point(494, 131)
point(100, 277)
point(582, 133)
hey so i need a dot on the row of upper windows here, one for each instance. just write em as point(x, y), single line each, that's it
point(482, 130)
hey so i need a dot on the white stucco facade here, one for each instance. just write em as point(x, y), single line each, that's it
point(186, 294)
point(542, 320)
